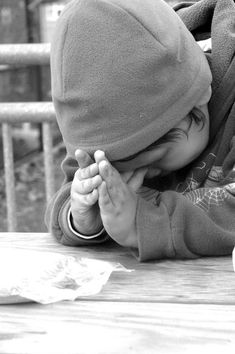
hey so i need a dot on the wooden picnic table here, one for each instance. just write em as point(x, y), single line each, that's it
point(178, 306)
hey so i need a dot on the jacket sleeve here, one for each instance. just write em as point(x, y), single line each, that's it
point(58, 211)
point(200, 223)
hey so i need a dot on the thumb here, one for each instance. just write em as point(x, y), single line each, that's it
point(126, 176)
point(136, 180)
point(83, 158)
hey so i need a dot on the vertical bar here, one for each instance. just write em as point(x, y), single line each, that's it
point(9, 176)
point(48, 160)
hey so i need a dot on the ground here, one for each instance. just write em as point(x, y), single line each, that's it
point(30, 192)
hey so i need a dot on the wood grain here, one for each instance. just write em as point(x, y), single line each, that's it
point(160, 307)
point(205, 280)
point(116, 327)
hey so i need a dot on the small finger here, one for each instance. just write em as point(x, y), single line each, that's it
point(83, 158)
point(105, 202)
point(92, 197)
point(109, 173)
point(126, 176)
point(87, 172)
point(137, 179)
point(99, 156)
point(114, 183)
point(85, 200)
point(87, 185)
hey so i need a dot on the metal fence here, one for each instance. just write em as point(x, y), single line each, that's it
point(19, 112)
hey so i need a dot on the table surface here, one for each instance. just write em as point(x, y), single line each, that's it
point(178, 306)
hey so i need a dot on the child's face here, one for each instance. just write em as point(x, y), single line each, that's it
point(172, 155)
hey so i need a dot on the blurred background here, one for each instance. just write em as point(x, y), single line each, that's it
point(29, 21)
point(26, 21)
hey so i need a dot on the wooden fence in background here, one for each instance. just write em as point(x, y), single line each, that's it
point(20, 112)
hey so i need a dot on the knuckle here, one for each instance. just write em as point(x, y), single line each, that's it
point(81, 173)
point(78, 200)
point(78, 174)
point(87, 199)
point(82, 187)
point(86, 185)
point(89, 170)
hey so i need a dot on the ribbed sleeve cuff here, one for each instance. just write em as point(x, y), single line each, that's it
point(72, 237)
point(85, 237)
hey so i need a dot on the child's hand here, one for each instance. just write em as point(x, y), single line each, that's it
point(134, 179)
point(118, 202)
point(84, 195)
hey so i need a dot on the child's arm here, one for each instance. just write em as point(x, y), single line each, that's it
point(179, 227)
point(170, 226)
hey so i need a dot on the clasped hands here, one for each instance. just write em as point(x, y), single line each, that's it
point(103, 197)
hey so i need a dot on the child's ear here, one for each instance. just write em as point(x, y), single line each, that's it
point(205, 97)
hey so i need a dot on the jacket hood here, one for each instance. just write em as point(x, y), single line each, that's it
point(123, 74)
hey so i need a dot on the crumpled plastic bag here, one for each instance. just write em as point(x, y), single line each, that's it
point(48, 277)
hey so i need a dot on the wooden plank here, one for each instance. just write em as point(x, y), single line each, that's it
point(201, 281)
point(112, 327)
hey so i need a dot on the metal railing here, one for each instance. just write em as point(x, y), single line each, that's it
point(19, 112)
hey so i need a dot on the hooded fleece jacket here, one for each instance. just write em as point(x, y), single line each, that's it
point(191, 214)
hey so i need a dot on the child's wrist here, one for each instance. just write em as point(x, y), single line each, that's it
point(131, 240)
point(85, 228)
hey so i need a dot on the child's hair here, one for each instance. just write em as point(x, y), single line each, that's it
point(195, 115)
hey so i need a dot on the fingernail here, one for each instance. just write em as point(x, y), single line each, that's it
point(99, 154)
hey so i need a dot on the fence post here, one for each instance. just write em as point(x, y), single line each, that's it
point(9, 176)
point(19, 112)
point(48, 159)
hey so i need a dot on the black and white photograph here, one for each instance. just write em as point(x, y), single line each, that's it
point(117, 176)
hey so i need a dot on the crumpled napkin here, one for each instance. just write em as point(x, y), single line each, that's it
point(49, 277)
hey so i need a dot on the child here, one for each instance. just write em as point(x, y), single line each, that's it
point(128, 78)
